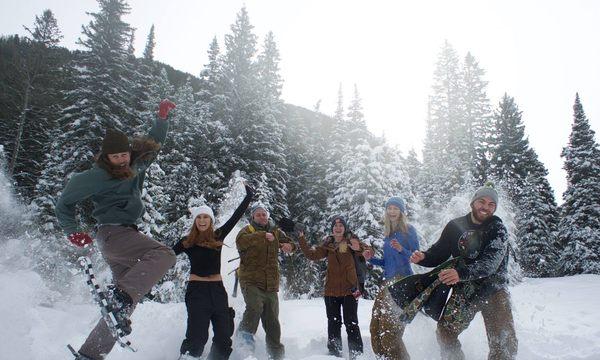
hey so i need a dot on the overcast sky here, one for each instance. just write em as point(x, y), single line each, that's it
point(539, 52)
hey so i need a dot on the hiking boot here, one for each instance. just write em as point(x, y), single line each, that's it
point(121, 306)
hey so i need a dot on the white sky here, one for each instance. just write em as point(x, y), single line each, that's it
point(540, 52)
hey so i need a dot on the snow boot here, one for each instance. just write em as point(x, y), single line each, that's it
point(78, 355)
point(122, 306)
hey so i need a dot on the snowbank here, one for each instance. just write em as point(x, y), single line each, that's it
point(554, 318)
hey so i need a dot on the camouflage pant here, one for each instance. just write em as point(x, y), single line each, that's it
point(497, 317)
point(387, 329)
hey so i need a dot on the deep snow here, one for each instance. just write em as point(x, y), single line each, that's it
point(555, 319)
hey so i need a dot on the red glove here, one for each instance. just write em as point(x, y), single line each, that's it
point(80, 239)
point(164, 108)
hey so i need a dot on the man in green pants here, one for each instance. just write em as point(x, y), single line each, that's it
point(258, 244)
point(114, 185)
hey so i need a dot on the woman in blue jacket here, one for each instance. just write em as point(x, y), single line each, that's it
point(400, 240)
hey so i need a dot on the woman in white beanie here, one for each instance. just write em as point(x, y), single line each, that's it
point(205, 297)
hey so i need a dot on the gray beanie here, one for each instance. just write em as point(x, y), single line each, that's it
point(256, 206)
point(486, 190)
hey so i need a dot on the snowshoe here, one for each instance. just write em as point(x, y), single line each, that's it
point(78, 356)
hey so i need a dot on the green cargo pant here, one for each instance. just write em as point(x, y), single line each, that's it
point(262, 306)
point(137, 263)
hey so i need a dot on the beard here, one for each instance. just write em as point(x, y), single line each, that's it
point(481, 215)
point(120, 172)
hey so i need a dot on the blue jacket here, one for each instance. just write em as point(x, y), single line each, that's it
point(394, 262)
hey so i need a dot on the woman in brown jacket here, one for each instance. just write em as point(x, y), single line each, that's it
point(341, 284)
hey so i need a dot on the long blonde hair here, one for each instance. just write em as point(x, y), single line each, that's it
point(390, 228)
point(202, 238)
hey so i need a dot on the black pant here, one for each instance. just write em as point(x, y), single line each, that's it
point(206, 302)
point(334, 324)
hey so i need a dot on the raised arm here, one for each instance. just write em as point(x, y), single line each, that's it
point(158, 133)
point(224, 230)
point(313, 254)
point(440, 251)
point(178, 248)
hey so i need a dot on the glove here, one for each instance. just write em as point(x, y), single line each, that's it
point(164, 108)
point(287, 225)
point(80, 239)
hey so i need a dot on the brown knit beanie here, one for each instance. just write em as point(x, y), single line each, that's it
point(115, 142)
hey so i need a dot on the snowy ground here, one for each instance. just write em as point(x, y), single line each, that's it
point(555, 319)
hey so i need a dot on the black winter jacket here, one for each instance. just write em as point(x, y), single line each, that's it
point(485, 260)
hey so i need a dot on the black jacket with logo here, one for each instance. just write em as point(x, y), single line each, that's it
point(484, 251)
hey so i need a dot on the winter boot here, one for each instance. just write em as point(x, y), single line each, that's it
point(187, 357)
point(121, 306)
point(78, 355)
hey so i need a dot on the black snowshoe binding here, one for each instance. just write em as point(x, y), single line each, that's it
point(120, 302)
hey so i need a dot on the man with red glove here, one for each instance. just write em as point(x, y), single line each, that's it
point(114, 184)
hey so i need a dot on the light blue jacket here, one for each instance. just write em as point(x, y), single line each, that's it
point(394, 262)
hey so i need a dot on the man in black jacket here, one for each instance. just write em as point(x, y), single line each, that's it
point(479, 280)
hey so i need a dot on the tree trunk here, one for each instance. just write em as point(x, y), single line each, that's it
point(24, 110)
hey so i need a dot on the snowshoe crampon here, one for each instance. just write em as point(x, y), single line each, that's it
point(115, 305)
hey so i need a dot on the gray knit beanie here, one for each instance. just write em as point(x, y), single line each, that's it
point(486, 190)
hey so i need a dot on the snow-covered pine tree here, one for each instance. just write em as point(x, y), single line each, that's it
point(178, 153)
point(443, 164)
point(100, 100)
point(510, 148)
point(240, 89)
point(146, 83)
point(339, 109)
point(515, 165)
point(535, 237)
point(31, 76)
point(356, 124)
point(270, 84)
point(156, 201)
point(305, 198)
point(579, 227)
point(413, 171)
point(477, 119)
point(257, 145)
point(445, 171)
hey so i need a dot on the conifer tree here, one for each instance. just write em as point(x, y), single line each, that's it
point(46, 30)
point(150, 44)
point(477, 120)
point(442, 162)
point(31, 76)
point(517, 168)
point(579, 227)
point(252, 95)
point(355, 123)
point(270, 84)
point(183, 175)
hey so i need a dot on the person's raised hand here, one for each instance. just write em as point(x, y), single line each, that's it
point(164, 108)
point(270, 236)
